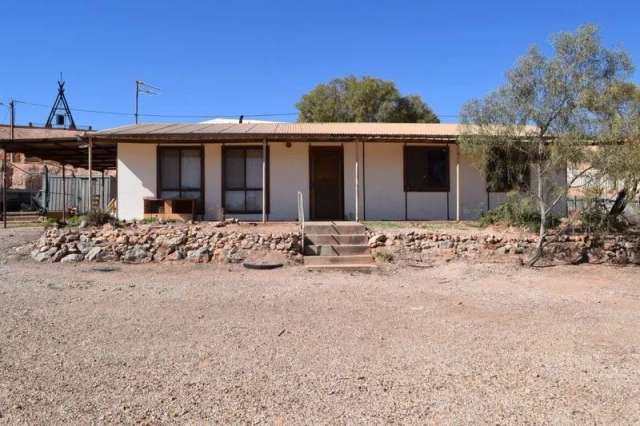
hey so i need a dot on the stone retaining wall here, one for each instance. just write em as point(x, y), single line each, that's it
point(562, 248)
point(138, 243)
point(156, 243)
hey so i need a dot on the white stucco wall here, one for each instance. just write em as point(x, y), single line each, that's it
point(381, 183)
point(136, 170)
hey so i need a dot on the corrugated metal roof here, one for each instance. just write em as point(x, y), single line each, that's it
point(37, 133)
point(289, 129)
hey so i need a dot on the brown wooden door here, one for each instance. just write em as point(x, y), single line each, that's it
point(326, 172)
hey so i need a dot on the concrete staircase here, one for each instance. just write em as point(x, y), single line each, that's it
point(21, 219)
point(337, 246)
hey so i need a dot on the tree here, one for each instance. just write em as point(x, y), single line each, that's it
point(546, 109)
point(618, 153)
point(367, 99)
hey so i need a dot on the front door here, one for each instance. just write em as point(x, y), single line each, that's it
point(326, 172)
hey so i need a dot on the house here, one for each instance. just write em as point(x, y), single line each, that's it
point(254, 171)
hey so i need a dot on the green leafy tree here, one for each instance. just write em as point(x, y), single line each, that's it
point(366, 99)
point(546, 110)
point(617, 156)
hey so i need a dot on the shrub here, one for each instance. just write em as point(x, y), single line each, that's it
point(100, 217)
point(94, 218)
point(383, 256)
point(517, 210)
point(595, 217)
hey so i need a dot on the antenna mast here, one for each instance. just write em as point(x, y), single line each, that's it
point(60, 104)
point(144, 88)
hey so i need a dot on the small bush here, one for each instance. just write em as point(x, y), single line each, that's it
point(517, 210)
point(73, 220)
point(100, 217)
point(383, 256)
point(595, 217)
point(93, 218)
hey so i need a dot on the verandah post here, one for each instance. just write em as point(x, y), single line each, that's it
point(90, 154)
point(357, 212)
point(264, 180)
point(458, 198)
point(64, 195)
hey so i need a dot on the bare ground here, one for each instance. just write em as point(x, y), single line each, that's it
point(456, 343)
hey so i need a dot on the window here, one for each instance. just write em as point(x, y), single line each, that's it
point(426, 169)
point(507, 170)
point(242, 179)
point(180, 174)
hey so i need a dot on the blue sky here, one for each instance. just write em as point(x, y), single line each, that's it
point(255, 57)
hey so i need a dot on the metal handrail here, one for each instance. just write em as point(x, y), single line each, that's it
point(301, 218)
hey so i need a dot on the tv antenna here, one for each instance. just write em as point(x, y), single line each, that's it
point(60, 110)
point(145, 89)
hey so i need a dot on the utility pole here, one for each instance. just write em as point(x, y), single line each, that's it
point(5, 169)
point(144, 88)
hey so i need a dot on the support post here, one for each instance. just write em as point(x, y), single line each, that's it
point(4, 186)
point(102, 189)
point(357, 183)
point(64, 195)
point(5, 173)
point(458, 197)
point(264, 180)
point(90, 155)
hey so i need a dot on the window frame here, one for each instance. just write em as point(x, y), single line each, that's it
point(223, 185)
point(159, 188)
point(426, 187)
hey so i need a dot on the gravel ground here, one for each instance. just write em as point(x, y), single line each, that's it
point(456, 343)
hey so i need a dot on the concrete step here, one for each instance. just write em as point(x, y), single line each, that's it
point(359, 259)
point(21, 217)
point(343, 267)
point(321, 239)
point(341, 228)
point(335, 250)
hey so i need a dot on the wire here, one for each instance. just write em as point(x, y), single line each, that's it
point(130, 114)
point(93, 111)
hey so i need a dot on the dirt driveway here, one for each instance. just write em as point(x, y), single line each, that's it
point(457, 343)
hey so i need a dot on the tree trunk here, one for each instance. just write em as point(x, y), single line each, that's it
point(618, 205)
point(537, 254)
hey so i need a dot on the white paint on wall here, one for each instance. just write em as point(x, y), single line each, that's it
point(384, 186)
point(136, 178)
point(288, 174)
point(381, 183)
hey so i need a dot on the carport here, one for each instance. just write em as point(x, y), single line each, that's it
point(67, 147)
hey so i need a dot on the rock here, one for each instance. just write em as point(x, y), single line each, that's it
point(41, 257)
point(376, 240)
point(136, 255)
point(83, 224)
point(72, 258)
point(621, 257)
point(446, 244)
point(505, 249)
point(176, 255)
point(93, 254)
point(59, 254)
point(634, 257)
point(200, 255)
point(122, 239)
point(172, 243)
